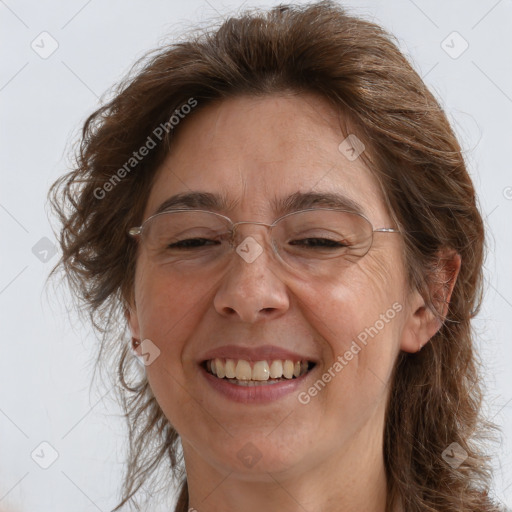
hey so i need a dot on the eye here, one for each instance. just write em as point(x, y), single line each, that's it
point(322, 243)
point(192, 243)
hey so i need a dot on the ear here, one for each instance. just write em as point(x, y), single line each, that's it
point(423, 322)
point(130, 313)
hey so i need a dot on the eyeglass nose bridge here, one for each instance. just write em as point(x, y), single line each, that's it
point(234, 231)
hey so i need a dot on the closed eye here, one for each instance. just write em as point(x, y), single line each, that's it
point(192, 243)
point(319, 242)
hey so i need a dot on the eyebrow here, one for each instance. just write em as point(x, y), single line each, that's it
point(281, 206)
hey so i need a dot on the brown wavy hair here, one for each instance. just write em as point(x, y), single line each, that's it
point(436, 394)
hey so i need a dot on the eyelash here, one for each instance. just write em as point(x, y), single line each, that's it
point(331, 243)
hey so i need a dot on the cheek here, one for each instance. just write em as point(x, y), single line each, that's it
point(168, 311)
point(359, 319)
point(166, 306)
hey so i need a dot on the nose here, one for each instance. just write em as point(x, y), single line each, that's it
point(252, 289)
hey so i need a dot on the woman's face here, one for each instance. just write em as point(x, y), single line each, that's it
point(254, 151)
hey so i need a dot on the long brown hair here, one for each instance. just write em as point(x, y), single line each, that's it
point(436, 394)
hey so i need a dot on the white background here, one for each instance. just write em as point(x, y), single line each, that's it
point(45, 362)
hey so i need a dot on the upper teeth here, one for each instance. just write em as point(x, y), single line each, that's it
point(260, 370)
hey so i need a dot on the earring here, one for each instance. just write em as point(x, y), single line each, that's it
point(421, 346)
point(135, 343)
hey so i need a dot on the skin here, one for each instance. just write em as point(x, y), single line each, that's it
point(323, 456)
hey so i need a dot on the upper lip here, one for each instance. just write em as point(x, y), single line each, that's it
point(252, 354)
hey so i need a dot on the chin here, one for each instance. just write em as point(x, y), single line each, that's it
point(252, 457)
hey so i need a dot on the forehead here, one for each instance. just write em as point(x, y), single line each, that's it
point(255, 151)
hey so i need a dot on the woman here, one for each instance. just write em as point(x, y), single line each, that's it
point(275, 217)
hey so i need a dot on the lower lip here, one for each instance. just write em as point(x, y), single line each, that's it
point(255, 394)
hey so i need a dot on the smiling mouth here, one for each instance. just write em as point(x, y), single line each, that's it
point(257, 373)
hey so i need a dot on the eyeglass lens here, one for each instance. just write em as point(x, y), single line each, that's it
point(317, 242)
